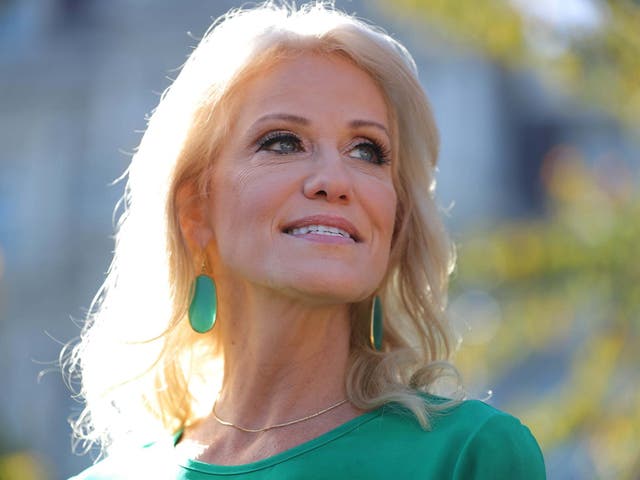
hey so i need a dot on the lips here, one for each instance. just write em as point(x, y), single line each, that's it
point(333, 224)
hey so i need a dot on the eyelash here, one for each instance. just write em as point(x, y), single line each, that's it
point(278, 136)
point(382, 153)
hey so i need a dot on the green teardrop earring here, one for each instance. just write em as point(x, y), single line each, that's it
point(376, 328)
point(204, 304)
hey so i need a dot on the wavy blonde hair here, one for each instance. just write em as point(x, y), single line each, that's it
point(141, 368)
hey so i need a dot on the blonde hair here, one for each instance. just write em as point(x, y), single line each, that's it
point(142, 370)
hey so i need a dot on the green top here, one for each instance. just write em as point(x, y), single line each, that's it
point(470, 441)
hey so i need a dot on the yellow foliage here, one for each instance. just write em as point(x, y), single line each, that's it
point(23, 466)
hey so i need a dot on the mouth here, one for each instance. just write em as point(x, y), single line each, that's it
point(323, 225)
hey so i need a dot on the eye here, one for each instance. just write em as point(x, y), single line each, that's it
point(281, 143)
point(371, 151)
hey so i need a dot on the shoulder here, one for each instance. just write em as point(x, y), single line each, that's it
point(472, 440)
point(496, 445)
point(490, 443)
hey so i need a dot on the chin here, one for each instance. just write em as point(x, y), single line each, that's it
point(333, 280)
point(346, 290)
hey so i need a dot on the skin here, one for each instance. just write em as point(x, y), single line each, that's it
point(303, 144)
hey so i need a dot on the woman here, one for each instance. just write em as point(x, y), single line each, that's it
point(275, 304)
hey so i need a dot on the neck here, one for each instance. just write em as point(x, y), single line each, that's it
point(284, 358)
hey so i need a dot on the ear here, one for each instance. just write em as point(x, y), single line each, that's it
point(191, 209)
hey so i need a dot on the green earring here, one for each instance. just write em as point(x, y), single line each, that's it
point(375, 332)
point(204, 305)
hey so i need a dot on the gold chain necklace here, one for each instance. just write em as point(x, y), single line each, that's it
point(277, 425)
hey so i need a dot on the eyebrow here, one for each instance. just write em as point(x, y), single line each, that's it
point(368, 123)
point(305, 121)
point(283, 116)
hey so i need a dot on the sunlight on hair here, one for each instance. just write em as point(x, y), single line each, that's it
point(156, 460)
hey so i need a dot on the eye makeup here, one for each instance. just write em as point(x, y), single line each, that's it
point(288, 142)
point(284, 142)
point(380, 154)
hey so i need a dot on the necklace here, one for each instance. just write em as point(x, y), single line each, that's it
point(277, 425)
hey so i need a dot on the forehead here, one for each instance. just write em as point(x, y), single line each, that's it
point(317, 86)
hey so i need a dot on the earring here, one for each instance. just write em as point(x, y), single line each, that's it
point(376, 330)
point(204, 304)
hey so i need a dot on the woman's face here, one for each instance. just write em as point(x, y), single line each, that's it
point(302, 199)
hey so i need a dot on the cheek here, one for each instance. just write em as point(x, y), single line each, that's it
point(383, 210)
point(247, 203)
point(384, 206)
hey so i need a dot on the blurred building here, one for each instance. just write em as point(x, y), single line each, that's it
point(76, 80)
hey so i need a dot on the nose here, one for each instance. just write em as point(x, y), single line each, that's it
point(328, 179)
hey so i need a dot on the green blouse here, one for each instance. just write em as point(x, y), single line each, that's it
point(469, 441)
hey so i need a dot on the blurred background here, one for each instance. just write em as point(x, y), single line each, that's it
point(538, 103)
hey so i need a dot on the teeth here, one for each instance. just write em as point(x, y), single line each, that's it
point(321, 230)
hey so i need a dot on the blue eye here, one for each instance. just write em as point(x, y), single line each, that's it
point(372, 152)
point(281, 143)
